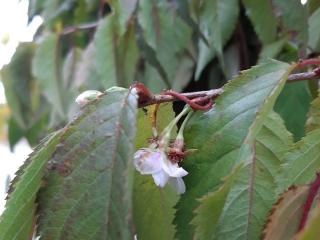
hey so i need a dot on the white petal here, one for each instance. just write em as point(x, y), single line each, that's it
point(178, 185)
point(172, 169)
point(160, 178)
point(147, 161)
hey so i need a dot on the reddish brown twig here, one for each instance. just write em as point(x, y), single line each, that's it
point(313, 190)
point(196, 99)
point(192, 103)
point(205, 102)
point(310, 61)
point(160, 98)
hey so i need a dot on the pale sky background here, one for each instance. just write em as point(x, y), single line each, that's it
point(14, 28)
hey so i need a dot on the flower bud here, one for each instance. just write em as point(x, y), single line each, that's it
point(143, 93)
point(87, 97)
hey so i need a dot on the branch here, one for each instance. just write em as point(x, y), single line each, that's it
point(315, 74)
point(160, 98)
point(310, 61)
point(149, 99)
point(85, 26)
point(201, 96)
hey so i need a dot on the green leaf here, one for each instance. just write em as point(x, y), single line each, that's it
point(255, 188)
point(313, 5)
point(302, 163)
point(87, 76)
point(129, 56)
point(184, 72)
point(231, 58)
point(15, 133)
point(294, 19)
point(34, 7)
point(165, 114)
point(314, 31)
point(313, 121)
point(153, 209)
point(125, 10)
point(27, 106)
point(69, 74)
point(210, 209)
point(88, 188)
point(156, 19)
point(294, 96)
point(217, 22)
point(183, 10)
point(92, 5)
point(148, 199)
point(278, 225)
point(313, 88)
point(289, 52)
point(105, 44)
point(116, 55)
point(152, 79)
point(271, 50)
point(33, 133)
point(220, 133)
point(18, 219)
point(152, 65)
point(19, 85)
point(46, 69)
point(54, 9)
point(263, 19)
point(70, 65)
point(311, 230)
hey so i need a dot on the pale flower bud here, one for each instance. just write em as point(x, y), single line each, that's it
point(87, 97)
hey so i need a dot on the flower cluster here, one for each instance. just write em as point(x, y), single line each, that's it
point(161, 159)
point(156, 162)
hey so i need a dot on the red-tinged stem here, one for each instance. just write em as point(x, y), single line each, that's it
point(160, 98)
point(193, 104)
point(197, 99)
point(313, 190)
point(310, 61)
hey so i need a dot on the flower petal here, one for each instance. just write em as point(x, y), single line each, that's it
point(147, 161)
point(178, 184)
point(172, 169)
point(160, 178)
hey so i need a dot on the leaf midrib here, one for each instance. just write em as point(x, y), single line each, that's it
point(114, 155)
point(116, 137)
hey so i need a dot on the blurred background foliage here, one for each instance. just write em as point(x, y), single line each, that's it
point(186, 45)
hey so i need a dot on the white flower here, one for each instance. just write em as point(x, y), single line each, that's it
point(87, 96)
point(155, 162)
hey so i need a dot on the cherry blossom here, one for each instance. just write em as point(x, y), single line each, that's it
point(155, 162)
